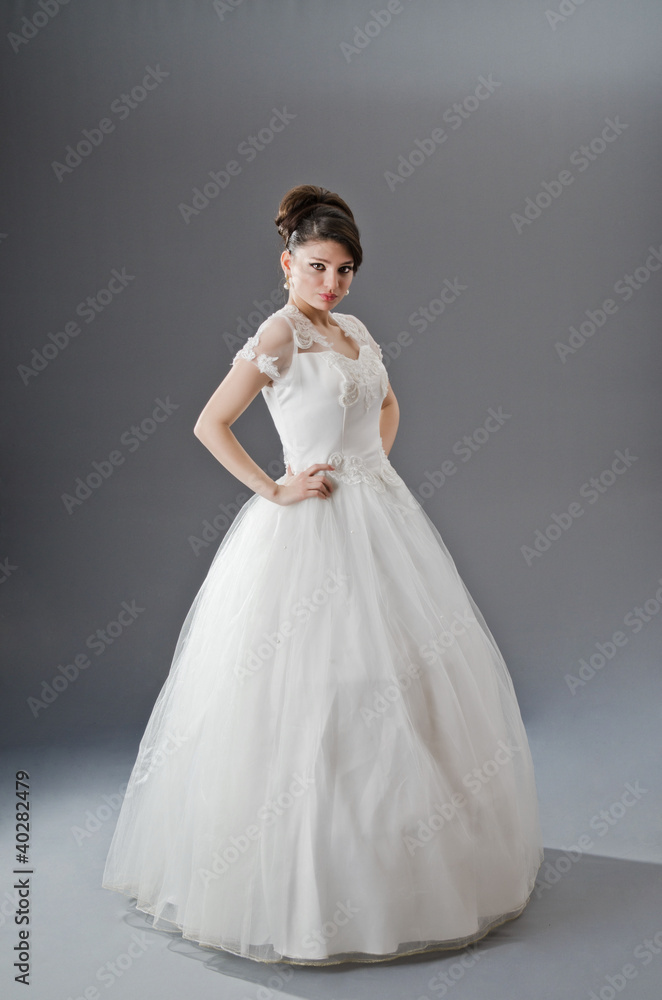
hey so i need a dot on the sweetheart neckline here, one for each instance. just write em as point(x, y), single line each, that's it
point(291, 305)
point(337, 353)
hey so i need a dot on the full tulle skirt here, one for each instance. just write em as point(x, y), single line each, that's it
point(336, 766)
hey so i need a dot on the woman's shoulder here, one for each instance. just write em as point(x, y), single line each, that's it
point(277, 324)
point(270, 347)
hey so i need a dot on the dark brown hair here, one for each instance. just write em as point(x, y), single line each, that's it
point(308, 213)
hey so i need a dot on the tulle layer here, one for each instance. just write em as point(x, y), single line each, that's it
point(336, 767)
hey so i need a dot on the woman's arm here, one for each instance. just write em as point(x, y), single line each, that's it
point(389, 418)
point(239, 388)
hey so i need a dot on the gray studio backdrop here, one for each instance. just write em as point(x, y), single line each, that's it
point(503, 162)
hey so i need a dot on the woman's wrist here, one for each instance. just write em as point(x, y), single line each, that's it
point(268, 489)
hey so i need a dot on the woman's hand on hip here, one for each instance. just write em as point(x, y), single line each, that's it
point(304, 486)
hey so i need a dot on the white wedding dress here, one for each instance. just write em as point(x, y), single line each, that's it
point(336, 767)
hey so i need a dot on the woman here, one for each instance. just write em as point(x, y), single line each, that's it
point(336, 768)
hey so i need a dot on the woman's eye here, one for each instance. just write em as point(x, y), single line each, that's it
point(344, 269)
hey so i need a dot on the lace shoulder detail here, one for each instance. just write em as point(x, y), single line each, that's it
point(354, 327)
point(305, 334)
point(367, 337)
point(270, 348)
point(359, 332)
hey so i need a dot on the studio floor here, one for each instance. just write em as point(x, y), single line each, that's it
point(593, 927)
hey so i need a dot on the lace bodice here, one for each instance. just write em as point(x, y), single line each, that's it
point(324, 403)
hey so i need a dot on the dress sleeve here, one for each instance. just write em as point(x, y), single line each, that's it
point(270, 348)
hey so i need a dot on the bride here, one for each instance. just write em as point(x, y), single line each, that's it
point(336, 768)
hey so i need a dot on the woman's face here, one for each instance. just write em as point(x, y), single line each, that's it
point(320, 273)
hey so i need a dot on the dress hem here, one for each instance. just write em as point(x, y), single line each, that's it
point(362, 957)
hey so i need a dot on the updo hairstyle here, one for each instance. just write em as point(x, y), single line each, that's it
point(308, 213)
